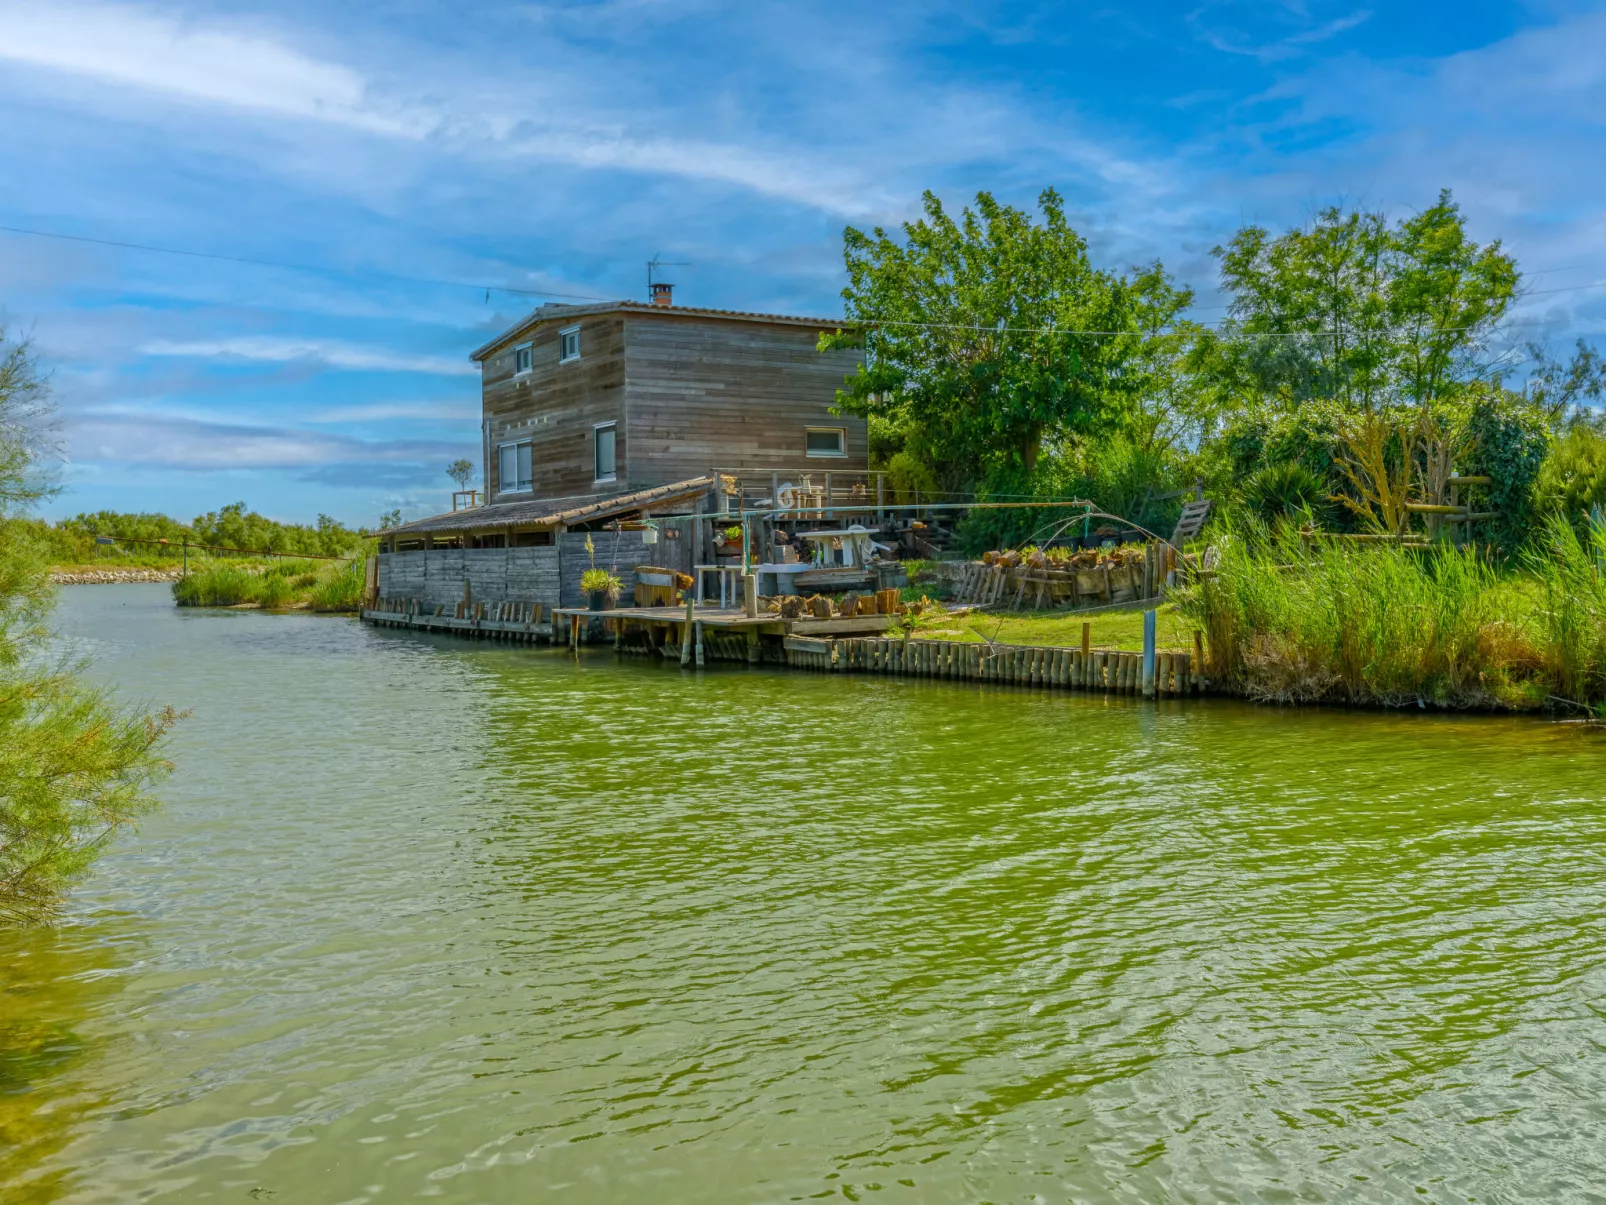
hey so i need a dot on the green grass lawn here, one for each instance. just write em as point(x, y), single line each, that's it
point(1111, 629)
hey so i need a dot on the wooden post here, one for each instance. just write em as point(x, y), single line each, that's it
point(1198, 654)
point(750, 595)
point(752, 646)
point(686, 630)
point(1148, 653)
point(699, 652)
point(880, 496)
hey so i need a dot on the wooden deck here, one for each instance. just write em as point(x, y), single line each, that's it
point(674, 630)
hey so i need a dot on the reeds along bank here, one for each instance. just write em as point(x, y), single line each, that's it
point(1326, 621)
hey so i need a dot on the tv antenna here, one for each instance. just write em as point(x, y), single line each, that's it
point(657, 262)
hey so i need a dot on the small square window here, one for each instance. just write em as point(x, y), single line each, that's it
point(568, 344)
point(604, 443)
point(826, 441)
point(521, 359)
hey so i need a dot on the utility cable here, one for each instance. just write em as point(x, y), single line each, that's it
point(291, 267)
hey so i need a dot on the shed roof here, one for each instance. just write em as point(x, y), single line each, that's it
point(549, 512)
point(558, 312)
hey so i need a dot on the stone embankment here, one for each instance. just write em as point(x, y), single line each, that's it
point(110, 577)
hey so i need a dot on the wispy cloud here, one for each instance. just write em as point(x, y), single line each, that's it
point(328, 352)
point(206, 62)
point(200, 446)
point(1234, 41)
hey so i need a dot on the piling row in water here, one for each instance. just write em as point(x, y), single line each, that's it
point(520, 622)
point(1109, 671)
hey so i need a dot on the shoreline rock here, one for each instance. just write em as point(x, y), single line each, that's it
point(114, 577)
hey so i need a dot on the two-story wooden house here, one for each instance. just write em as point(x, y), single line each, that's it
point(597, 416)
point(618, 397)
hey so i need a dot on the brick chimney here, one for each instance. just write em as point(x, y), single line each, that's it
point(662, 294)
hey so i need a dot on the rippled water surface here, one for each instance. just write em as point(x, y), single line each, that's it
point(434, 919)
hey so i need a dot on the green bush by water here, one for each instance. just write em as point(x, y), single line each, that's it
point(327, 586)
point(1382, 625)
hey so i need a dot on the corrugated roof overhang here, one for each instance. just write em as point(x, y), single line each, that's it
point(553, 512)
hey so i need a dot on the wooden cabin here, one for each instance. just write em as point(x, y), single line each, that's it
point(619, 417)
point(622, 396)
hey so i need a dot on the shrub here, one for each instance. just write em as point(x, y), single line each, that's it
point(1572, 478)
point(339, 587)
point(218, 586)
point(1510, 438)
point(1285, 491)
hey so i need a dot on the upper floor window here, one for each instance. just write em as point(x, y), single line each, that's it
point(568, 344)
point(604, 445)
point(826, 441)
point(521, 359)
point(514, 468)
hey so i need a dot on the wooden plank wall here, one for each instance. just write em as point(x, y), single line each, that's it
point(706, 393)
point(620, 551)
point(494, 575)
point(556, 406)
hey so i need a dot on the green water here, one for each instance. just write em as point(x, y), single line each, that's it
point(429, 919)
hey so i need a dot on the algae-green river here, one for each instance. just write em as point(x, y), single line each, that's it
point(431, 919)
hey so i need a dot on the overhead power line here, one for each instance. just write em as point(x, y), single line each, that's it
point(291, 267)
point(871, 322)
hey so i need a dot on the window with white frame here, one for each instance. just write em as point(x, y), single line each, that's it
point(826, 441)
point(568, 344)
point(604, 437)
point(522, 359)
point(514, 467)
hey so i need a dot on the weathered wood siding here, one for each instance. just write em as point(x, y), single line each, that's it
point(556, 406)
point(494, 575)
point(705, 393)
point(620, 551)
point(550, 576)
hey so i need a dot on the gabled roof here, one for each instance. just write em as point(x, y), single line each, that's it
point(556, 312)
point(550, 512)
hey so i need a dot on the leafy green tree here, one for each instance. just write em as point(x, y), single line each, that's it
point(1356, 311)
point(461, 471)
point(1563, 390)
point(75, 768)
point(233, 526)
point(984, 336)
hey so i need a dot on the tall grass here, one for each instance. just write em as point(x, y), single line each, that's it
point(327, 586)
point(1571, 571)
point(1381, 625)
point(339, 589)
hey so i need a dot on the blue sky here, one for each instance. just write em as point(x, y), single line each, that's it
point(558, 146)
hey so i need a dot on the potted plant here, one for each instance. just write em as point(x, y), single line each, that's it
point(731, 540)
point(601, 588)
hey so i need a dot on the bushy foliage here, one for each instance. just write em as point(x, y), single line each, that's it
point(314, 585)
point(75, 767)
point(1509, 438)
point(1284, 490)
point(233, 526)
point(974, 334)
point(1572, 478)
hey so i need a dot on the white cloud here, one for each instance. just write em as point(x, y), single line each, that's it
point(467, 411)
point(196, 444)
point(329, 352)
point(140, 48)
